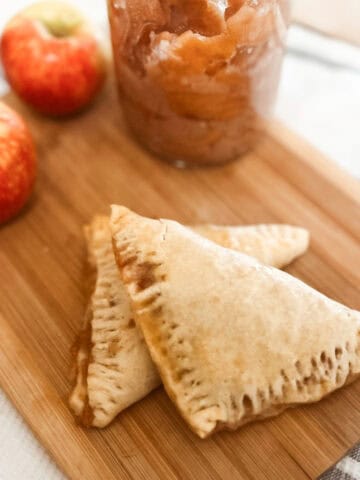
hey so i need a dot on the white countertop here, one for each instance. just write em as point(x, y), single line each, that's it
point(319, 98)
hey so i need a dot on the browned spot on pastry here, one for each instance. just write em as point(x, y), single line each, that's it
point(143, 275)
point(247, 404)
point(309, 380)
point(261, 395)
point(271, 392)
point(131, 323)
point(157, 311)
point(125, 261)
point(338, 352)
point(112, 302)
point(90, 275)
point(83, 342)
point(180, 374)
point(233, 402)
point(114, 347)
point(87, 416)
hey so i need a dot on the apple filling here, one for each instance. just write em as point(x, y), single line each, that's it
point(198, 78)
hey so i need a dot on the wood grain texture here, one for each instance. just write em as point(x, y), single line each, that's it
point(88, 162)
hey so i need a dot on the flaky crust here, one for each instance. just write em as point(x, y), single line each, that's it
point(233, 340)
point(113, 365)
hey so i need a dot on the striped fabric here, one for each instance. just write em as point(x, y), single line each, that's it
point(347, 469)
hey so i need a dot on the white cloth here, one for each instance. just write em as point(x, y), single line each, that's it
point(21, 455)
point(319, 98)
point(319, 95)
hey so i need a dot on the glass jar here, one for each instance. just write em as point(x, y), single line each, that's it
point(198, 78)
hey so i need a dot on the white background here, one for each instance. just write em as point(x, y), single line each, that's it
point(319, 98)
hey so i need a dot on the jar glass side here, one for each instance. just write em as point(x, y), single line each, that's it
point(198, 83)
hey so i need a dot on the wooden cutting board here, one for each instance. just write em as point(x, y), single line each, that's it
point(87, 162)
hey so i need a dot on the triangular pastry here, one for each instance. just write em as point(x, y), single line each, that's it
point(120, 370)
point(275, 245)
point(233, 340)
point(113, 365)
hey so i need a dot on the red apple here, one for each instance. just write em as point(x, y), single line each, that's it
point(52, 58)
point(17, 163)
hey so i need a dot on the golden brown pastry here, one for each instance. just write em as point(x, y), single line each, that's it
point(120, 371)
point(233, 340)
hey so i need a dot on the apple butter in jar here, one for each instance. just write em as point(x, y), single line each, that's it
point(198, 78)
